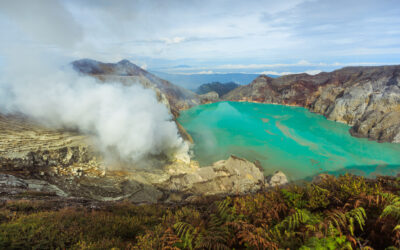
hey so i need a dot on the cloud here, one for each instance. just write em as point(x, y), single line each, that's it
point(44, 21)
point(260, 66)
point(301, 63)
point(310, 72)
point(209, 72)
point(248, 33)
point(275, 73)
point(173, 40)
point(301, 66)
point(313, 72)
point(259, 36)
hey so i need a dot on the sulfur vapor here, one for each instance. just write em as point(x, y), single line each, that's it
point(126, 120)
point(36, 81)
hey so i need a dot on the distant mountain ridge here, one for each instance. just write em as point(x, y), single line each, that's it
point(193, 81)
point(220, 88)
point(366, 98)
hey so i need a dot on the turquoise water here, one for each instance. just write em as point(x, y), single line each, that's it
point(291, 139)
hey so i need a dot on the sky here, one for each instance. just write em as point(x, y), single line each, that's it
point(209, 36)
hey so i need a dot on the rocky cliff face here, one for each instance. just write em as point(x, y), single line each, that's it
point(39, 161)
point(367, 98)
point(127, 73)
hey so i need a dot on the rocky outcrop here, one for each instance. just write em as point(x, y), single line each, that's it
point(9, 181)
point(220, 88)
point(176, 98)
point(209, 97)
point(66, 164)
point(25, 144)
point(11, 185)
point(277, 179)
point(231, 176)
point(366, 98)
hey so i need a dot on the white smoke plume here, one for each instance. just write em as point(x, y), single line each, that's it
point(128, 121)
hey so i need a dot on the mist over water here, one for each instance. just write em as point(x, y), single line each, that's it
point(290, 139)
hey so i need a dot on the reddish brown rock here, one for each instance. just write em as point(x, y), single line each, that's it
point(367, 98)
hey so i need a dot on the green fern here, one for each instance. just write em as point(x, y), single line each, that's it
point(294, 199)
point(393, 207)
point(358, 214)
point(317, 197)
point(345, 221)
point(284, 233)
point(331, 243)
point(186, 232)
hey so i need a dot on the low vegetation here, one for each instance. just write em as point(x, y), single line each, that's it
point(347, 212)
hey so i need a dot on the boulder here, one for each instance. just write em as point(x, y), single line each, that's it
point(10, 184)
point(277, 179)
point(232, 176)
point(44, 186)
point(10, 181)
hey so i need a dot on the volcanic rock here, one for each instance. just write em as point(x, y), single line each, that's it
point(209, 97)
point(366, 98)
point(66, 164)
point(220, 88)
point(174, 97)
point(232, 176)
point(277, 179)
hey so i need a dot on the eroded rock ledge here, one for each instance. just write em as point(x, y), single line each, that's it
point(232, 176)
point(36, 159)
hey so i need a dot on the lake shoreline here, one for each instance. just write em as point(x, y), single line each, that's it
point(298, 135)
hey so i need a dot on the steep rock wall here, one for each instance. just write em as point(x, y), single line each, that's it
point(366, 98)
